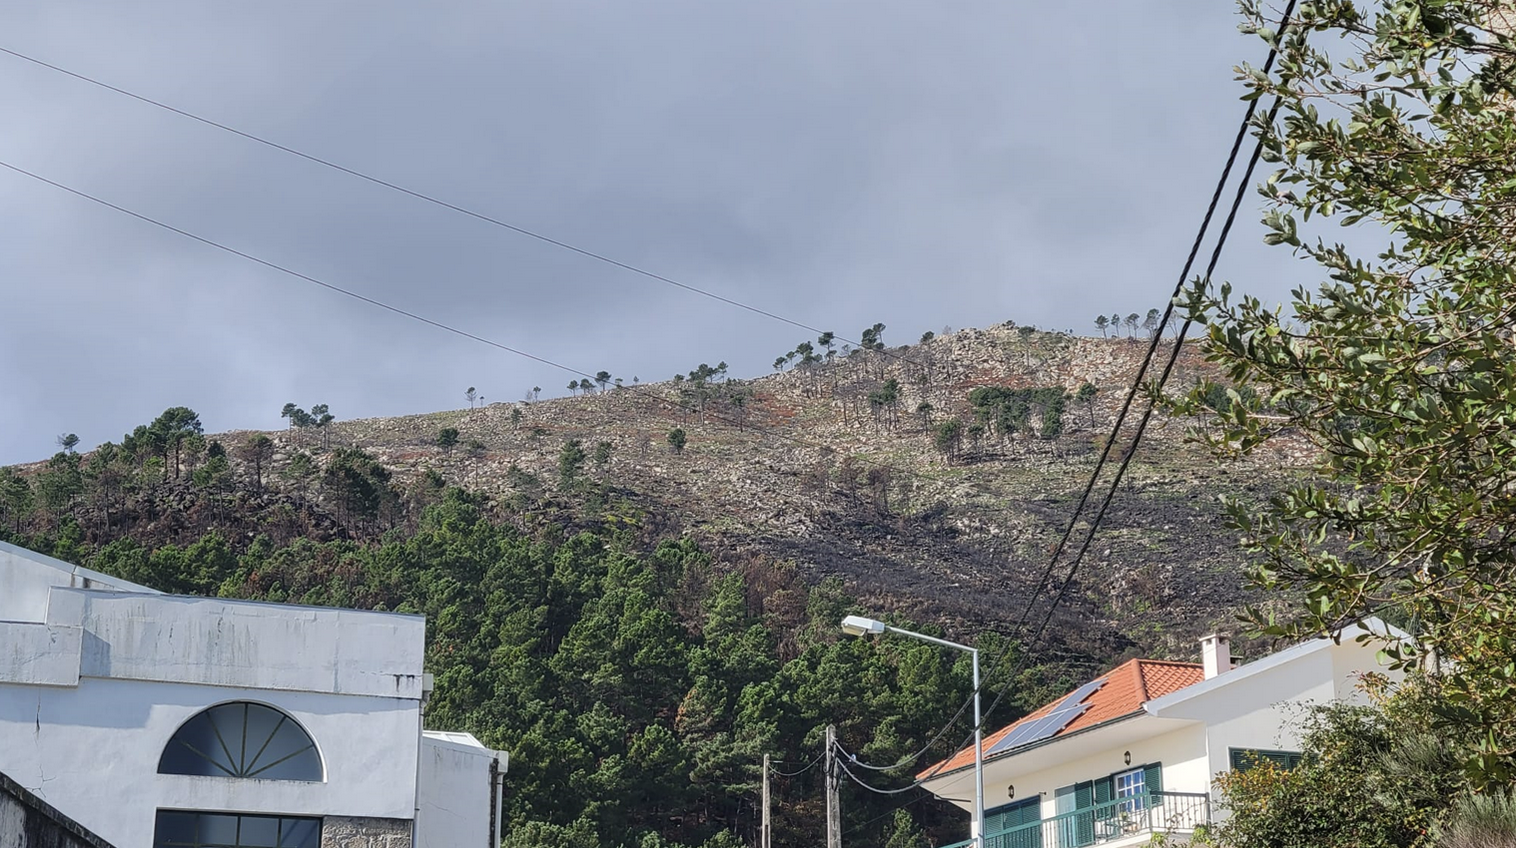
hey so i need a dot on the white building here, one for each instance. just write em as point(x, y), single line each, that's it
point(161, 720)
point(1135, 751)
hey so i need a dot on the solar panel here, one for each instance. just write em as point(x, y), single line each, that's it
point(1057, 719)
point(1078, 695)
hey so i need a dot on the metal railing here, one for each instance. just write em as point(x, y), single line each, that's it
point(1150, 812)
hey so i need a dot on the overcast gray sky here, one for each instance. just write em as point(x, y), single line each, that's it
point(917, 163)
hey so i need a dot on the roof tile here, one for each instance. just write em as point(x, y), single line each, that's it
point(1126, 687)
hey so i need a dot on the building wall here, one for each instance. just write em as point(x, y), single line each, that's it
point(456, 797)
point(27, 576)
point(28, 822)
point(93, 752)
point(1181, 752)
point(1264, 710)
point(96, 675)
point(1261, 709)
point(243, 644)
point(90, 697)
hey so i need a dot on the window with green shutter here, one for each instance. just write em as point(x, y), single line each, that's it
point(1010, 817)
point(1092, 808)
point(1249, 758)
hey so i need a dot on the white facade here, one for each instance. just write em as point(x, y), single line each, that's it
point(459, 778)
point(97, 675)
point(1187, 737)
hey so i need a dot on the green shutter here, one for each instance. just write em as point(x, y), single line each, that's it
point(1011, 815)
point(1084, 822)
point(1247, 758)
point(1152, 782)
point(1028, 812)
point(1001, 819)
point(1103, 790)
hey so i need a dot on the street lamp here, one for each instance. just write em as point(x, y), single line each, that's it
point(857, 625)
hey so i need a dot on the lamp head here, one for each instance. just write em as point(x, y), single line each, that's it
point(857, 625)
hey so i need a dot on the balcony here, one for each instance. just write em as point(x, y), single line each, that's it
point(1124, 821)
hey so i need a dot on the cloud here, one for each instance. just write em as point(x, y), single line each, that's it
point(839, 163)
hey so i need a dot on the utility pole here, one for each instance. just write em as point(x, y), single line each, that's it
point(764, 841)
point(833, 805)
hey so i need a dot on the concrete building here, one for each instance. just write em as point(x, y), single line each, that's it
point(161, 720)
point(1134, 751)
point(27, 821)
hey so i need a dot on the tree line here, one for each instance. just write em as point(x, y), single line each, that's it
point(636, 685)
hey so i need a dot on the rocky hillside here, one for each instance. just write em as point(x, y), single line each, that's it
point(818, 464)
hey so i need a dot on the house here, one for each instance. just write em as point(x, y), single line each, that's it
point(1134, 752)
point(153, 719)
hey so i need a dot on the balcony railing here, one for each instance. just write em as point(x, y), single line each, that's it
point(1150, 812)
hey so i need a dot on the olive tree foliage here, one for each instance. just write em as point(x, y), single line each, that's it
point(1369, 778)
point(1396, 117)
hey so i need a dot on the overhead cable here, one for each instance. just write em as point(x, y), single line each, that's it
point(428, 198)
point(802, 770)
point(1132, 392)
point(640, 392)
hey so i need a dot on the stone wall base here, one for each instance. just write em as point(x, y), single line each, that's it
point(358, 832)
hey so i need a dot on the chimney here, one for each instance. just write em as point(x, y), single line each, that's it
point(1216, 654)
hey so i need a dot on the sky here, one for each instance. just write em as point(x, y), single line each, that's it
point(838, 163)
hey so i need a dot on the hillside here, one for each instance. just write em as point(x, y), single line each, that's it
point(952, 541)
point(799, 465)
point(639, 618)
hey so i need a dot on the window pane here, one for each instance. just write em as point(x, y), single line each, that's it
point(1244, 759)
point(197, 748)
point(183, 829)
point(242, 740)
point(175, 829)
point(216, 830)
point(301, 833)
point(1129, 786)
point(301, 764)
point(259, 832)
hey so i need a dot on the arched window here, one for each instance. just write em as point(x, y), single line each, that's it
point(242, 739)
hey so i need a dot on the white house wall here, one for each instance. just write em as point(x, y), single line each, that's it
point(93, 753)
point(454, 790)
point(27, 576)
point(242, 644)
point(97, 674)
point(40, 654)
point(1181, 752)
point(1263, 710)
point(1236, 720)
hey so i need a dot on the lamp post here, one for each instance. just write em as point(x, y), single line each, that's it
point(857, 625)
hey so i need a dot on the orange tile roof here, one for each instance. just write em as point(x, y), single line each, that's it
point(1126, 687)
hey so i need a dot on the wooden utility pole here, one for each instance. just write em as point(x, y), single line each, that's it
point(764, 841)
point(833, 807)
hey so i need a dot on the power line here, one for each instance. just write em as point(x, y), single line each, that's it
point(641, 392)
point(448, 328)
point(1121, 417)
point(807, 767)
point(842, 765)
point(428, 198)
point(1226, 228)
